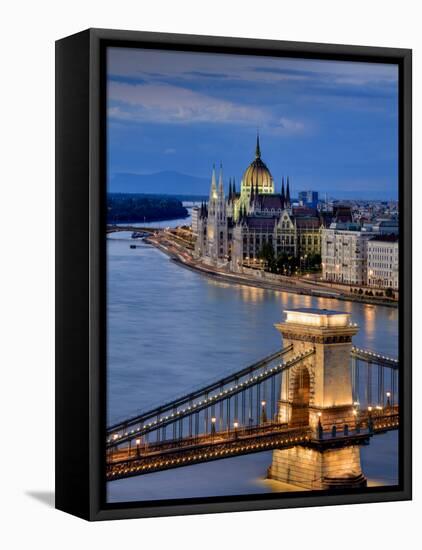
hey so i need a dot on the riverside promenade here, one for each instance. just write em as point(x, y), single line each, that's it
point(176, 249)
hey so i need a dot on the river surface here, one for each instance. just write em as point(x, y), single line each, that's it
point(171, 330)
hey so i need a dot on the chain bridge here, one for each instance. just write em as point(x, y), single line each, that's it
point(314, 403)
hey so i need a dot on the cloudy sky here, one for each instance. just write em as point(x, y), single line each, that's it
point(331, 126)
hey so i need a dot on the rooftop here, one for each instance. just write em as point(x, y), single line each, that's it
point(324, 318)
point(315, 311)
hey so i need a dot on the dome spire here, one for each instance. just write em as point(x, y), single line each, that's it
point(258, 148)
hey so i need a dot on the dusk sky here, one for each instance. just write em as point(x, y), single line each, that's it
point(331, 126)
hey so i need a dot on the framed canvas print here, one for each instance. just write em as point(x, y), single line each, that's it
point(233, 274)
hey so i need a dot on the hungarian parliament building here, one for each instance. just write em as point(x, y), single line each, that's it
point(233, 227)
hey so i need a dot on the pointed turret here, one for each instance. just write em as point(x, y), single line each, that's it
point(288, 202)
point(234, 189)
point(283, 196)
point(213, 188)
point(220, 182)
point(230, 190)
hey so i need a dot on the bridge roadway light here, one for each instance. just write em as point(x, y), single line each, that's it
point(263, 411)
point(235, 426)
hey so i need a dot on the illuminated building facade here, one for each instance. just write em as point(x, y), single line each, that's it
point(232, 229)
point(383, 262)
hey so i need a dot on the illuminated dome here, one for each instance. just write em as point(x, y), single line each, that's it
point(257, 173)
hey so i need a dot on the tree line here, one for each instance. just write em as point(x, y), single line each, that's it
point(122, 208)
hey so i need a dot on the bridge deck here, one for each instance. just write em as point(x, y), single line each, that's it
point(177, 453)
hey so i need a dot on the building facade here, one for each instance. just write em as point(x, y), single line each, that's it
point(308, 198)
point(344, 255)
point(232, 229)
point(383, 262)
point(195, 216)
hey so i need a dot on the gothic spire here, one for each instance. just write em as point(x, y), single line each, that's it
point(213, 189)
point(230, 189)
point(283, 196)
point(288, 193)
point(234, 189)
point(220, 181)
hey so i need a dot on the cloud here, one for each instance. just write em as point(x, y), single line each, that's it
point(165, 103)
point(173, 104)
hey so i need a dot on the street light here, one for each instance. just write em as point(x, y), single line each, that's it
point(213, 421)
point(235, 426)
point(370, 422)
point(263, 411)
point(320, 428)
point(138, 445)
point(388, 394)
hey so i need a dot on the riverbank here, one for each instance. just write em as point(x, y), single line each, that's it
point(296, 286)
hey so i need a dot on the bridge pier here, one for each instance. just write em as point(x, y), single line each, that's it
point(315, 469)
point(318, 392)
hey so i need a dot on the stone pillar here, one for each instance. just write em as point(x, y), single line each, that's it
point(319, 466)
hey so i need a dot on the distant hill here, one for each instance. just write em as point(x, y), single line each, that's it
point(166, 183)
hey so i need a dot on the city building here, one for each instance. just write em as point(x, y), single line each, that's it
point(308, 198)
point(195, 215)
point(232, 229)
point(344, 254)
point(383, 262)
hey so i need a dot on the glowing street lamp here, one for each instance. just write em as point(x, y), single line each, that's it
point(213, 421)
point(235, 426)
point(138, 446)
point(370, 422)
point(388, 395)
point(320, 428)
point(263, 411)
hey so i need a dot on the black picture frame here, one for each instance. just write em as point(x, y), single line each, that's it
point(80, 271)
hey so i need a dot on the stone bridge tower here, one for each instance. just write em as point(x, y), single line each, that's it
point(319, 389)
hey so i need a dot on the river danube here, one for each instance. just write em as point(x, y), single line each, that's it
point(171, 329)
